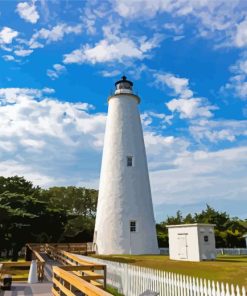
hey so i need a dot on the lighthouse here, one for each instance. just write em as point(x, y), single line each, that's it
point(125, 220)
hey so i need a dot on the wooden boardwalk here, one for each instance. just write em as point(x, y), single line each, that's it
point(49, 263)
point(20, 289)
point(61, 272)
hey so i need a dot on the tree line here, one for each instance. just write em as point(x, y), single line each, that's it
point(29, 213)
point(228, 231)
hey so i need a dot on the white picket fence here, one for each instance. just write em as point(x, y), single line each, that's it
point(219, 251)
point(229, 251)
point(164, 251)
point(134, 280)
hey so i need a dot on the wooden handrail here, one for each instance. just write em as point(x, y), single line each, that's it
point(70, 259)
point(77, 260)
point(15, 264)
point(71, 282)
point(38, 257)
point(54, 252)
point(35, 249)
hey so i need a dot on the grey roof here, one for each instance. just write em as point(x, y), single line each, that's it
point(190, 225)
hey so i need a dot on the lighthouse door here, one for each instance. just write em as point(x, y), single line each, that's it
point(182, 246)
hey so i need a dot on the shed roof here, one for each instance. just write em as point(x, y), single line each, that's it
point(190, 225)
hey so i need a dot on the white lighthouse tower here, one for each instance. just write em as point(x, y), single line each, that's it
point(125, 220)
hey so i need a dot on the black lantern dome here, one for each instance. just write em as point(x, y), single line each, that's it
point(124, 87)
point(124, 84)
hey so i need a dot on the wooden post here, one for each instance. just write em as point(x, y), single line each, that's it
point(28, 253)
point(105, 273)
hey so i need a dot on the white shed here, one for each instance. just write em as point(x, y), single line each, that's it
point(245, 236)
point(191, 242)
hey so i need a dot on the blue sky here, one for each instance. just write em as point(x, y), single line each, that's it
point(188, 61)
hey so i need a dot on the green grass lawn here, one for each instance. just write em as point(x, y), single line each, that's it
point(19, 276)
point(9, 260)
point(231, 269)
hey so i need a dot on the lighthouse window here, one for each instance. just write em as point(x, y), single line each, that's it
point(132, 226)
point(129, 161)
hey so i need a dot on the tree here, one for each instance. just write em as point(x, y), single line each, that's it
point(32, 214)
point(162, 235)
point(211, 216)
point(80, 205)
point(178, 219)
point(25, 217)
point(17, 185)
point(15, 222)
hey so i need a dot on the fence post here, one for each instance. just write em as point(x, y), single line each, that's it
point(238, 291)
point(243, 291)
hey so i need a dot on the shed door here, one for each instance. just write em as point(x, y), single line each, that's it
point(182, 246)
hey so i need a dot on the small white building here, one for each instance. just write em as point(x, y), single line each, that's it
point(245, 236)
point(191, 242)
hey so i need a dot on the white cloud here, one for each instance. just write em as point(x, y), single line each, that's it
point(112, 30)
point(238, 84)
point(54, 34)
point(13, 95)
point(7, 35)
point(36, 144)
point(186, 104)
point(180, 86)
point(163, 150)
point(216, 19)
point(116, 46)
point(23, 52)
point(191, 108)
point(173, 27)
point(48, 90)
point(112, 73)
point(117, 49)
point(11, 168)
point(45, 10)
point(201, 176)
point(8, 58)
point(218, 131)
point(238, 81)
point(36, 130)
point(241, 34)
point(147, 9)
point(180, 176)
point(57, 70)
point(28, 11)
point(163, 120)
point(89, 20)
